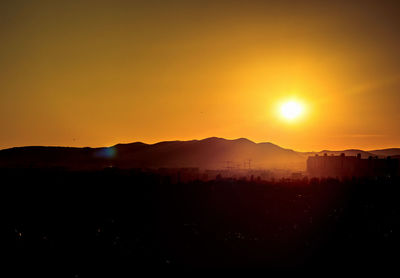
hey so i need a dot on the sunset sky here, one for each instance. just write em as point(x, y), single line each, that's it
point(98, 73)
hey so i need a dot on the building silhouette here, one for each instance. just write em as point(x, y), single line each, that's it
point(351, 166)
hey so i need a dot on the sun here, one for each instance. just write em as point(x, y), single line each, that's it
point(291, 110)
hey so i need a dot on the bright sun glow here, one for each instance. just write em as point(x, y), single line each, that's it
point(291, 110)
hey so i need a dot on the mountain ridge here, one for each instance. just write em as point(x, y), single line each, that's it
point(208, 153)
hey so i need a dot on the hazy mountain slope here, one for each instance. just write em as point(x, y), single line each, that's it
point(386, 152)
point(209, 153)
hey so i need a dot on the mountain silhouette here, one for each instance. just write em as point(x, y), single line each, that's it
point(387, 152)
point(209, 153)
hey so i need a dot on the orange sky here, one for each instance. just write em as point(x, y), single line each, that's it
point(97, 73)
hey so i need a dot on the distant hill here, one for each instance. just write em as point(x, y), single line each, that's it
point(209, 153)
point(387, 152)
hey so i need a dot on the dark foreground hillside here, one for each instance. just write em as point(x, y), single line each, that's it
point(121, 221)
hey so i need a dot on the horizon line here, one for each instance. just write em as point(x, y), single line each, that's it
point(216, 137)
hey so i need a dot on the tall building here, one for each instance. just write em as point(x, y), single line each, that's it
point(351, 166)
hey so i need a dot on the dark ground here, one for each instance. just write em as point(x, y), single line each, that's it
point(82, 223)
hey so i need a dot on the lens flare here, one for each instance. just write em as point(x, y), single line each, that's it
point(107, 153)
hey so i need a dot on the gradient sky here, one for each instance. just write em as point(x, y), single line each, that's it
point(97, 73)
